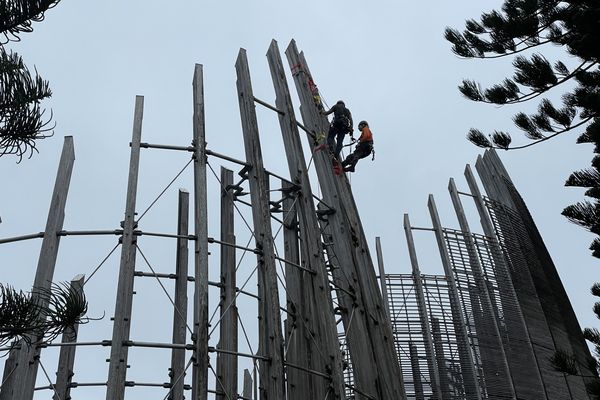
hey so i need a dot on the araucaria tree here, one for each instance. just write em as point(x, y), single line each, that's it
point(22, 120)
point(528, 26)
point(523, 30)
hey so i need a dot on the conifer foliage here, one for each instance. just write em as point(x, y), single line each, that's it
point(523, 29)
point(22, 119)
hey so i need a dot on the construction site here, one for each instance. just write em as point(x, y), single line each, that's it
point(289, 300)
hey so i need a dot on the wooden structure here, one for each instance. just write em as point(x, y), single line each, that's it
point(327, 328)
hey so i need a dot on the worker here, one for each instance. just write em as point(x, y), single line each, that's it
point(340, 126)
point(363, 148)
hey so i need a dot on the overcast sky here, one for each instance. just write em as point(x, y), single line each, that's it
point(389, 62)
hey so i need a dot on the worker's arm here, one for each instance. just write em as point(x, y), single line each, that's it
point(327, 112)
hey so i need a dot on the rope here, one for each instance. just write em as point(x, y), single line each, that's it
point(49, 381)
point(101, 264)
point(165, 189)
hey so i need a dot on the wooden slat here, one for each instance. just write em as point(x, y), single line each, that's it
point(176, 372)
point(200, 367)
point(381, 266)
point(122, 320)
point(247, 393)
point(313, 301)
point(272, 382)
point(227, 364)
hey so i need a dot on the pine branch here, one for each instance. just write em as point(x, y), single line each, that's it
point(17, 16)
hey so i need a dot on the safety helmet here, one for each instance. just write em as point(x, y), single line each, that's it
point(362, 124)
point(341, 103)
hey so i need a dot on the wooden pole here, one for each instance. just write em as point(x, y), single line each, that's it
point(20, 384)
point(416, 371)
point(177, 370)
point(272, 381)
point(299, 346)
point(66, 359)
point(495, 366)
point(200, 366)
point(368, 330)
point(122, 320)
point(432, 362)
point(471, 384)
point(227, 364)
point(316, 308)
point(382, 282)
point(247, 393)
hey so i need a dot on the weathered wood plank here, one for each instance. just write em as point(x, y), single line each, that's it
point(227, 364)
point(471, 384)
point(200, 367)
point(122, 320)
point(272, 381)
point(247, 393)
point(66, 358)
point(382, 283)
point(176, 373)
point(316, 306)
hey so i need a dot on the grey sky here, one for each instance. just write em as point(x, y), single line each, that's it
point(387, 60)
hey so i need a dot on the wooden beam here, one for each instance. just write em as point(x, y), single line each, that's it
point(416, 371)
point(272, 380)
point(369, 334)
point(247, 393)
point(432, 361)
point(471, 384)
point(227, 364)
point(66, 358)
point(313, 300)
point(200, 366)
point(117, 369)
point(177, 370)
point(382, 282)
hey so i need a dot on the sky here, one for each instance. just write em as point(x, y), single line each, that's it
point(386, 59)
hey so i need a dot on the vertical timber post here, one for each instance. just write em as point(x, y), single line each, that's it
point(432, 362)
point(416, 371)
point(66, 359)
point(495, 365)
point(227, 364)
point(298, 346)
point(122, 320)
point(472, 390)
point(21, 383)
point(200, 368)
point(317, 305)
point(247, 391)
point(181, 299)
point(272, 380)
point(382, 282)
point(369, 336)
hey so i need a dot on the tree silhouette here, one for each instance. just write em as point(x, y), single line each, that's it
point(21, 92)
point(526, 26)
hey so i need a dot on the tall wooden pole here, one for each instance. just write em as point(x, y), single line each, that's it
point(122, 320)
point(382, 283)
point(66, 359)
point(495, 365)
point(21, 383)
point(432, 361)
point(200, 367)
point(272, 381)
point(368, 330)
point(176, 372)
point(472, 390)
point(227, 364)
point(316, 308)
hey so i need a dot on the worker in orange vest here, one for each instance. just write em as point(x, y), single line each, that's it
point(363, 148)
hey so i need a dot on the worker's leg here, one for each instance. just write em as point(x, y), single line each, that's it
point(331, 138)
point(339, 143)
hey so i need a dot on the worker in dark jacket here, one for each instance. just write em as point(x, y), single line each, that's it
point(340, 126)
point(363, 148)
